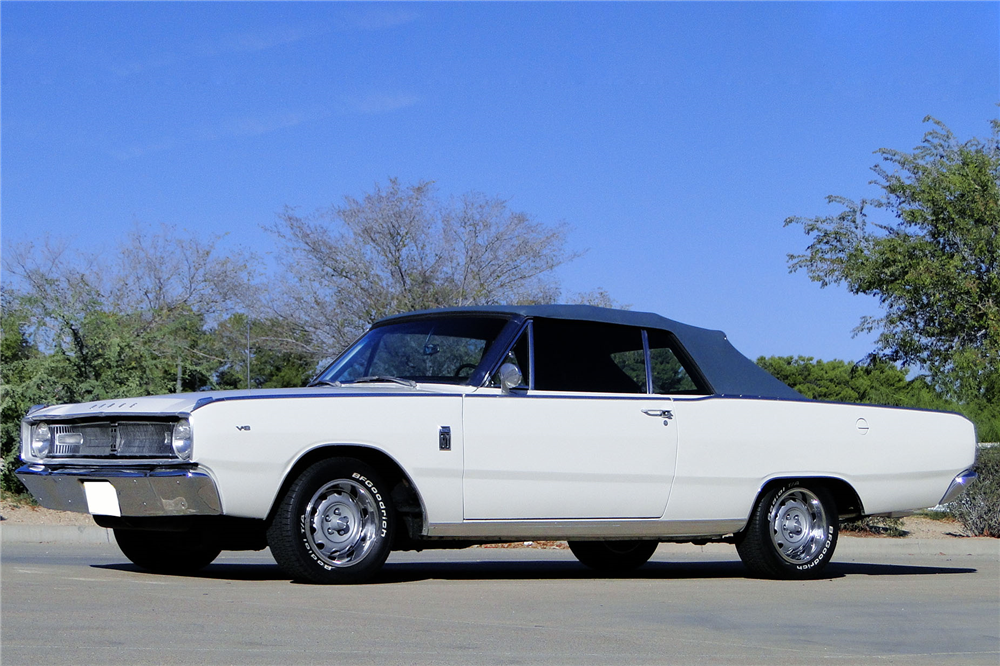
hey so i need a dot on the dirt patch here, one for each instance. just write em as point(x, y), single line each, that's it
point(557, 545)
point(920, 527)
point(12, 513)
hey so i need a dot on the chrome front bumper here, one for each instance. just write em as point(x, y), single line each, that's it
point(140, 491)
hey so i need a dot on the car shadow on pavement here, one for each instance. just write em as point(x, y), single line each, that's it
point(409, 572)
point(547, 570)
point(215, 571)
point(840, 569)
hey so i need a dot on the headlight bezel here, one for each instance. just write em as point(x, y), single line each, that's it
point(182, 439)
point(40, 441)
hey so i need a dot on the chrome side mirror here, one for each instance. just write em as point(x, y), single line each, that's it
point(509, 376)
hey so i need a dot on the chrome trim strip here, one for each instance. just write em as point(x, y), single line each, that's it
point(646, 361)
point(570, 395)
point(531, 355)
point(109, 462)
point(420, 392)
point(958, 486)
point(141, 490)
point(585, 529)
point(85, 417)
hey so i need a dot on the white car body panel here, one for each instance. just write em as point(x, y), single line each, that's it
point(731, 447)
point(250, 465)
point(543, 464)
point(557, 455)
point(548, 456)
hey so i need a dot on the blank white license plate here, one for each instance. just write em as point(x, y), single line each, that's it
point(102, 499)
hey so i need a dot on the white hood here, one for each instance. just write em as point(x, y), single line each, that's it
point(185, 403)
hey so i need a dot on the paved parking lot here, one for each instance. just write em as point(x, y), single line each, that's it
point(74, 604)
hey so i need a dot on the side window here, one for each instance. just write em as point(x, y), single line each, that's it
point(669, 375)
point(633, 364)
point(588, 356)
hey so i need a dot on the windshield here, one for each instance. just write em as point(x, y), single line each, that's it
point(442, 350)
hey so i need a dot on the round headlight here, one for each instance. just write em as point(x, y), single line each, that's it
point(182, 440)
point(41, 440)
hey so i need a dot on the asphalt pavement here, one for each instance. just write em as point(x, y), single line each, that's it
point(881, 601)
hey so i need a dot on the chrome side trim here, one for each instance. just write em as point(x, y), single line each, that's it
point(142, 491)
point(958, 486)
point(585, 529)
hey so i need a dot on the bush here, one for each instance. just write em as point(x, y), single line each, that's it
point(880, 525)
point(978, 508)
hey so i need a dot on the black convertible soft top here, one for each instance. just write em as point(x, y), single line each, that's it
point(727, 370)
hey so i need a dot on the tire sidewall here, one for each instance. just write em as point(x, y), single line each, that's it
point(300, 495)
point(818, 561)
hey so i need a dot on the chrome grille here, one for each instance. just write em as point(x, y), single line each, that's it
point(112, 440)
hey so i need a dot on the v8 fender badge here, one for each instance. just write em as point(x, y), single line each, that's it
point(243, 427)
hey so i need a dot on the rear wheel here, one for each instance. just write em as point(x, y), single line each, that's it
point(792, 532)
point(166, 552)
point(334, 525)
point(613, 556)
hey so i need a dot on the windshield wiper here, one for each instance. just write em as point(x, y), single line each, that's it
point(383, 378)
point(325, 382)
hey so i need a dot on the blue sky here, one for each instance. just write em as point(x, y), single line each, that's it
point(673, 138)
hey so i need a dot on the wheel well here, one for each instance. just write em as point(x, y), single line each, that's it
point(405, 498)
point(847, 500)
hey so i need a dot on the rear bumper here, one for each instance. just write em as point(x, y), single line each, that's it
point(140, 491)
point(958, 486)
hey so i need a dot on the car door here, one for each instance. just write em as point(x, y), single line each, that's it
point(582, 440)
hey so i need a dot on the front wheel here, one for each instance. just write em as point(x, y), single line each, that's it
point(166, 552)
point(613, 556)
point(334, 525)
point(792, 532)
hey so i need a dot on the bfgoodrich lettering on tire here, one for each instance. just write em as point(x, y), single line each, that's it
point(334, 525)
point(792, 532)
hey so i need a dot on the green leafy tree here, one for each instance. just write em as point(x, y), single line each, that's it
point(929, 250)
point(18, 359)
point(879, 383)
point(277, 355)
point(134, 321)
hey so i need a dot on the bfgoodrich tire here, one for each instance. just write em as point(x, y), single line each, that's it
point(334, 524)
point(792, 532)
point(613, 556)
point(166, 552)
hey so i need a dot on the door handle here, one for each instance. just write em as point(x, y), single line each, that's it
point(659, 413)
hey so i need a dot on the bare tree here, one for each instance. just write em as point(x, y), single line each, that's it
point(141, 310)
point(152, 274)
point(162, 273)
point(399, 248)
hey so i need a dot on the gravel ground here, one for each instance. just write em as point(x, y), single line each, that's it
point(12, 513)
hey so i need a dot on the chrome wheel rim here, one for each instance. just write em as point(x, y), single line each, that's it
point(341, 522)
point(799, 526)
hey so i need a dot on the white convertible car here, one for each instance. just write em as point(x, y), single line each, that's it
point(613, 430)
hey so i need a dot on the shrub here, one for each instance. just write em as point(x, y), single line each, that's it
point(879, 525)
point(978, 508)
